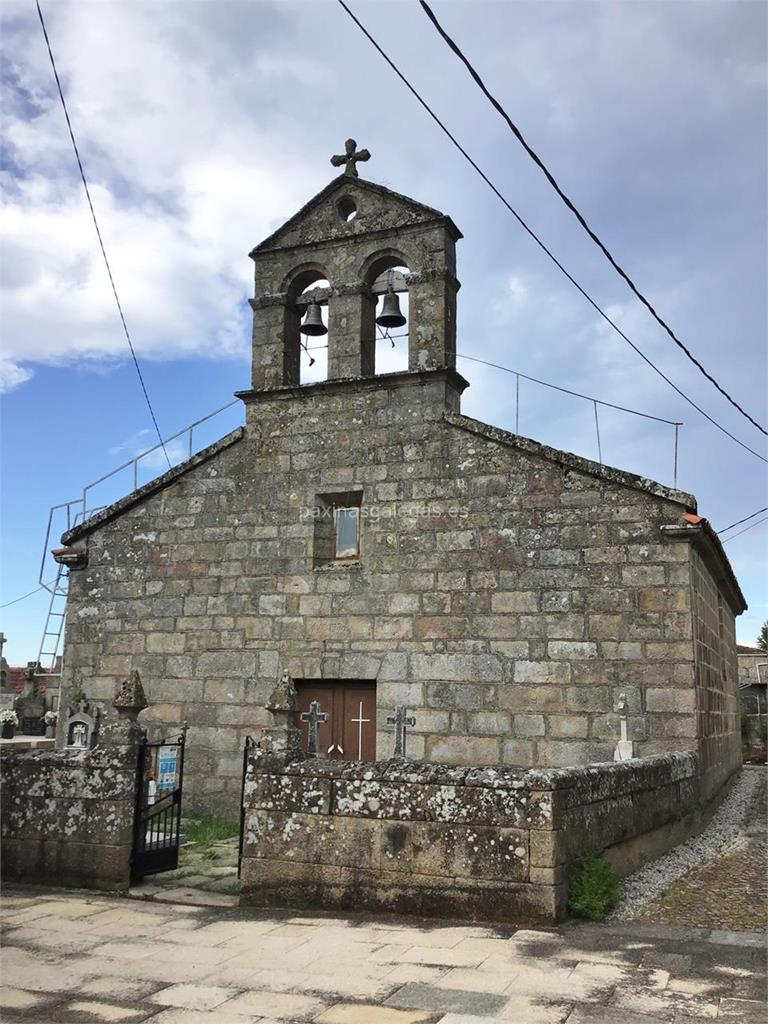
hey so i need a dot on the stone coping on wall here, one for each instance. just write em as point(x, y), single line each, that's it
point(17, 743)
point(591, 781)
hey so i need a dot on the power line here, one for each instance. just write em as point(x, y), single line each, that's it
point(25, 596)
point(536, 238)
point(579, 216)
point(735, 535)
point(576, 394)
point(738, 522)
point(98, 232)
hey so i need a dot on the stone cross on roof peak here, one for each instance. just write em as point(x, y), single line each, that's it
point(350, 158)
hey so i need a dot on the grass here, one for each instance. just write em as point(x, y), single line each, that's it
point(594, 889)
point(211, 830)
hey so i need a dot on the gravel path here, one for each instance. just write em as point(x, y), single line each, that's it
point(714, 879)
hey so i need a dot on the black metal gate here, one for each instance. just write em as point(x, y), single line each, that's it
point(250, 743)
point(157, 821)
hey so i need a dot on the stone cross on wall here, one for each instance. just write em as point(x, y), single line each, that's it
point(350, 158)
point(625, 748)
point(400, 720)
point(313, 718)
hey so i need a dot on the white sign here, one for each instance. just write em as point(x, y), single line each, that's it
point(6, 701)
point(167, 761)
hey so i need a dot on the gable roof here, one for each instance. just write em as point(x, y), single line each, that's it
point(344, 182)
point(596, 469)
point(689, 526)
point(142, 493)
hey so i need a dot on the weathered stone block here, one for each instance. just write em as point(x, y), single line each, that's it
point(678, 701)
point(518, 752)
point(288, 793)
point(515, 601)
point(464, 750)
point(313, 839)
point(457, 851)
point(465, 696)
point(567, 727)
point(528, 725)
point(223, 664)
point(488, 723)
point(518, 698)
point(565, 753)
point(456, 667)
point(571, 650)
point(542, 672)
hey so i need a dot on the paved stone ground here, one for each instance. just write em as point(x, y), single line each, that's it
point(727, 891)
point(83, 959)
point(206, 875)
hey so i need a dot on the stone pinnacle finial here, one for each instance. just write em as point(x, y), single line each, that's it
point(282, 701)
point(350, 158)
point(130, 695)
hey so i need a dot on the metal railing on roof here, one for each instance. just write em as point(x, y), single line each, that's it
point(72, 513)
point(68, 514)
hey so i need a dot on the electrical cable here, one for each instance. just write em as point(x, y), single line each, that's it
point(98, 233)
point(25, 596)
point(738, 522)
point(735, 535)
point(579, 216)
point(535, 237)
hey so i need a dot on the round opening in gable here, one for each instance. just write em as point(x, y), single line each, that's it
point(347, 208)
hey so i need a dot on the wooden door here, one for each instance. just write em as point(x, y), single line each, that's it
point(350, 732)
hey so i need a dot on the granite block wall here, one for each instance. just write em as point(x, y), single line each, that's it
point(482, 842)
point(66, 816)
point(717, 693)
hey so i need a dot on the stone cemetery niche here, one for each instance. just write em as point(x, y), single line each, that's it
point(81, 728)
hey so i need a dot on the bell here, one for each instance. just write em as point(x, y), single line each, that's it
point(390, 315)
point(313, 321)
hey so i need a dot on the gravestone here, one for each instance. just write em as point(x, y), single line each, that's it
point(30, 711)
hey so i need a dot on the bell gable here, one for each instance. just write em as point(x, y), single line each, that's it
point(347, 208)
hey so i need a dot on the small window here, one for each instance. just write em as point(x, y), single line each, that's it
point(337, 529)
point(346, 525)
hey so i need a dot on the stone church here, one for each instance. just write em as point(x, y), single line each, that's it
point(364, 536)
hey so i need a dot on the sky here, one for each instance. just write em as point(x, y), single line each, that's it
point(204, 125)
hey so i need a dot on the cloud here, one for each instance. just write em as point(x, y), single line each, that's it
point(12, 375)
point(145, 440)
point(181, 192)
point(139, 441)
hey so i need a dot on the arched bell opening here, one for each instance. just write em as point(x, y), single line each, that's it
point(314, 341)
point(386, 310)
point(306, 338)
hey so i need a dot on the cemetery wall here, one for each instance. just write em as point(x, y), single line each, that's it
point(66, 816)
point(434, 839)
